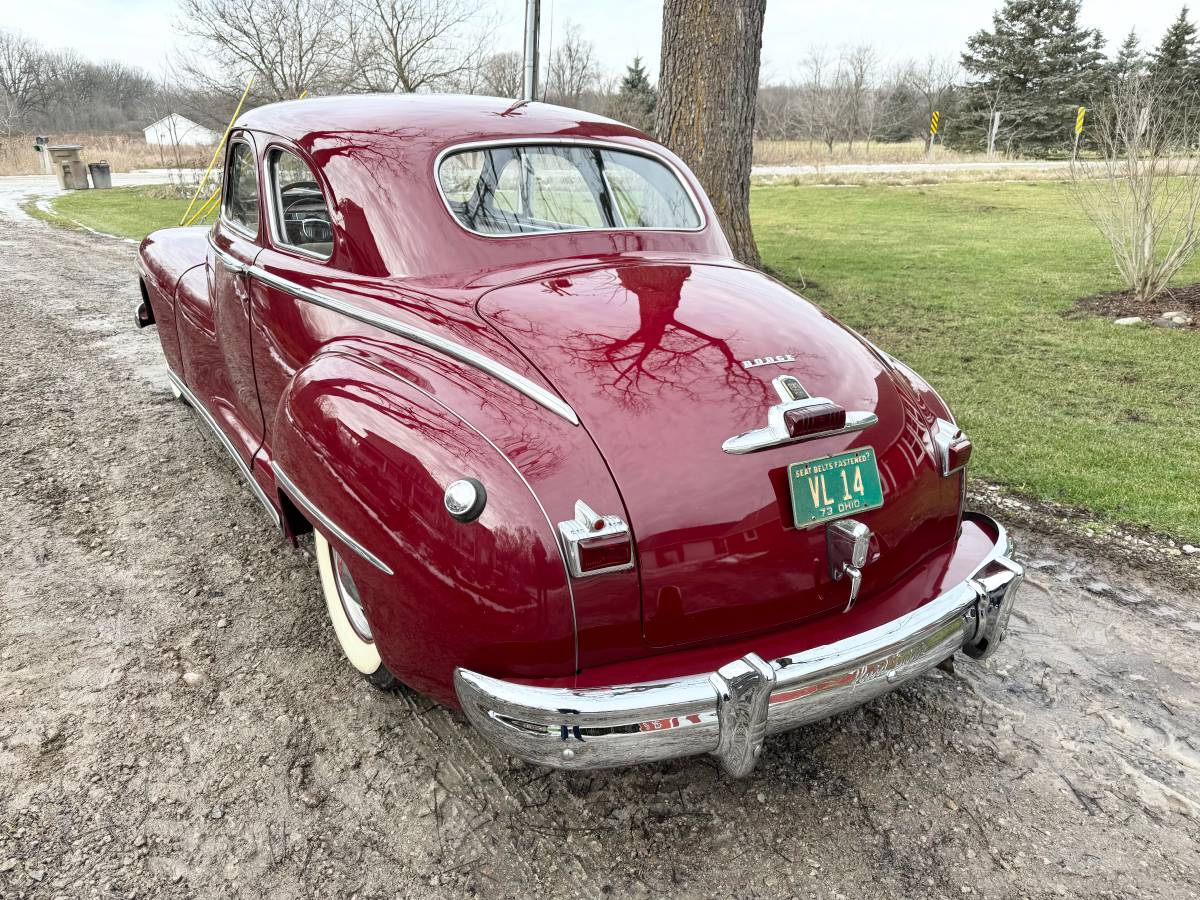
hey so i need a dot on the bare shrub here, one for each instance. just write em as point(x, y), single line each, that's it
point(1142, 191)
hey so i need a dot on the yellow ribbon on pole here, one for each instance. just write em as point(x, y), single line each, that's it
point(206, 208)
point(216, 153)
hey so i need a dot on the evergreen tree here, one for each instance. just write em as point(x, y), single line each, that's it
point(636, 98)
point(1130, 59)
point(1174, 65)
point(1036, 65)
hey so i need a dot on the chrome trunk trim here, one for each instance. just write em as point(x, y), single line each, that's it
point(289, 488)
point(792, 396)
point(242, 467)
point(535, 392)
point(727, 712)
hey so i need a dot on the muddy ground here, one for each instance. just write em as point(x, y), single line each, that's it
point(1067, 766)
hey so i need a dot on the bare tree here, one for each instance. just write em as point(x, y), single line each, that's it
point(25, 85)
point(825, 97)
point(10, 114)
point(412, 45)
point(860, 65)
point(708, 82)
point(289, 46)
point(1143, 192)
point(500, 74)
point(572, 71)
point(933, 81)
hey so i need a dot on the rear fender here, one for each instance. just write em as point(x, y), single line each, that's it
point(164, 257)
point(374, 453)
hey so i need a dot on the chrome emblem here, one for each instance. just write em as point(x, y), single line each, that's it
point(767, 361)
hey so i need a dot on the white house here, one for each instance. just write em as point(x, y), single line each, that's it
point(179, 130)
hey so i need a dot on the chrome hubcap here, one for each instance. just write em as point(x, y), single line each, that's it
point(351, 601)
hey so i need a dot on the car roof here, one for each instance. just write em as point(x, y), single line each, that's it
point(377, 155)
point(452, 118)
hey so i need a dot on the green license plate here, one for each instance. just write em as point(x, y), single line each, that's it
point(834, 486)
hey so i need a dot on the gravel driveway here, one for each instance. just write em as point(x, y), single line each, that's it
point(1067, 766)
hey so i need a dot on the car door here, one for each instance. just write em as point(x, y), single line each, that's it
point(215, 322)
point(300, 248)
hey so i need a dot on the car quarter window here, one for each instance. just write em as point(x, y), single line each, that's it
point(241, 193)
point(531, 188)
point(301, 215)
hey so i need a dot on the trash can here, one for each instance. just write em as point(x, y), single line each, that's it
point(68, 166)
point(101, 174)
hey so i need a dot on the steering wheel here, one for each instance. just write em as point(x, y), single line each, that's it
point(283, 191)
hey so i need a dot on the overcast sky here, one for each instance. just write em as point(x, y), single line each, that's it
point(139, 32)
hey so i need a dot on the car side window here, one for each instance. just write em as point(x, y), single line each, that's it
point(241, 193)
point(301, 216)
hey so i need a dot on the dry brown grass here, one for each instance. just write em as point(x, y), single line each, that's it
point(814, 153)
point(124, 152)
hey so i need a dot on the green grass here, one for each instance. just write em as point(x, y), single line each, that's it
point(968, 284)
point(131, 212)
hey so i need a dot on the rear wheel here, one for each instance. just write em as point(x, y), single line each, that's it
point(348, 616)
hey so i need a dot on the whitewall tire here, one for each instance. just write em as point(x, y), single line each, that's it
point(349, 619)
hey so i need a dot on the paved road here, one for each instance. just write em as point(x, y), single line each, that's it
point(911, 167)
point(1068, 766)
point(15, 189)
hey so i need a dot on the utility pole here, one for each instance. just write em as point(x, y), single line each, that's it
point(533, 15)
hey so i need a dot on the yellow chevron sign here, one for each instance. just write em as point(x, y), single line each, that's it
point(1079, 120)
point(933, 123)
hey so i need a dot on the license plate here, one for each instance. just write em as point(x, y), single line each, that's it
point(834, 486)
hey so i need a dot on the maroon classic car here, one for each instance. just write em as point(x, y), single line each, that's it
point(566, 463)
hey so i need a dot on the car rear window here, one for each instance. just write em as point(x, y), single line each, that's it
point(532, 188)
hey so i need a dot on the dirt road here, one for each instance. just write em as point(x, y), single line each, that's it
point(1067, 766)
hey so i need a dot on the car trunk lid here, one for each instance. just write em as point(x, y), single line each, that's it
point(664, 362)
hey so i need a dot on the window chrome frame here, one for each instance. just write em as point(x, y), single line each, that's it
point(597, 143)
point(237, 227)
point(274, 223)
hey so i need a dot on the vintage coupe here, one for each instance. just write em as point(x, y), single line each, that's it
point(567, 464)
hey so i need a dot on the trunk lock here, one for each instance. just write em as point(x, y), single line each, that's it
point(848, 542)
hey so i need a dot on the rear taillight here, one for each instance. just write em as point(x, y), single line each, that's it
point(814, 418)
point(597, 554)
point(596, 544)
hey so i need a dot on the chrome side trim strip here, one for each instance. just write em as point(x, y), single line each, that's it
point(518, 382)
point(313, 510)
point(244, 469)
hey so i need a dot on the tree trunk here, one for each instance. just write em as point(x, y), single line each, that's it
point(708, 81)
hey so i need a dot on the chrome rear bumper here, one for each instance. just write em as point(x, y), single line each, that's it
point(729, 712)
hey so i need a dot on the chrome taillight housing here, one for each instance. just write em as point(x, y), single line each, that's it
point(596, 544)
point(952, 446)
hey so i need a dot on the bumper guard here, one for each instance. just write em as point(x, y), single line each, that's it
point(729, 712)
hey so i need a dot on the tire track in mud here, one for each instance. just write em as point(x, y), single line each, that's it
point(1064, 766)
